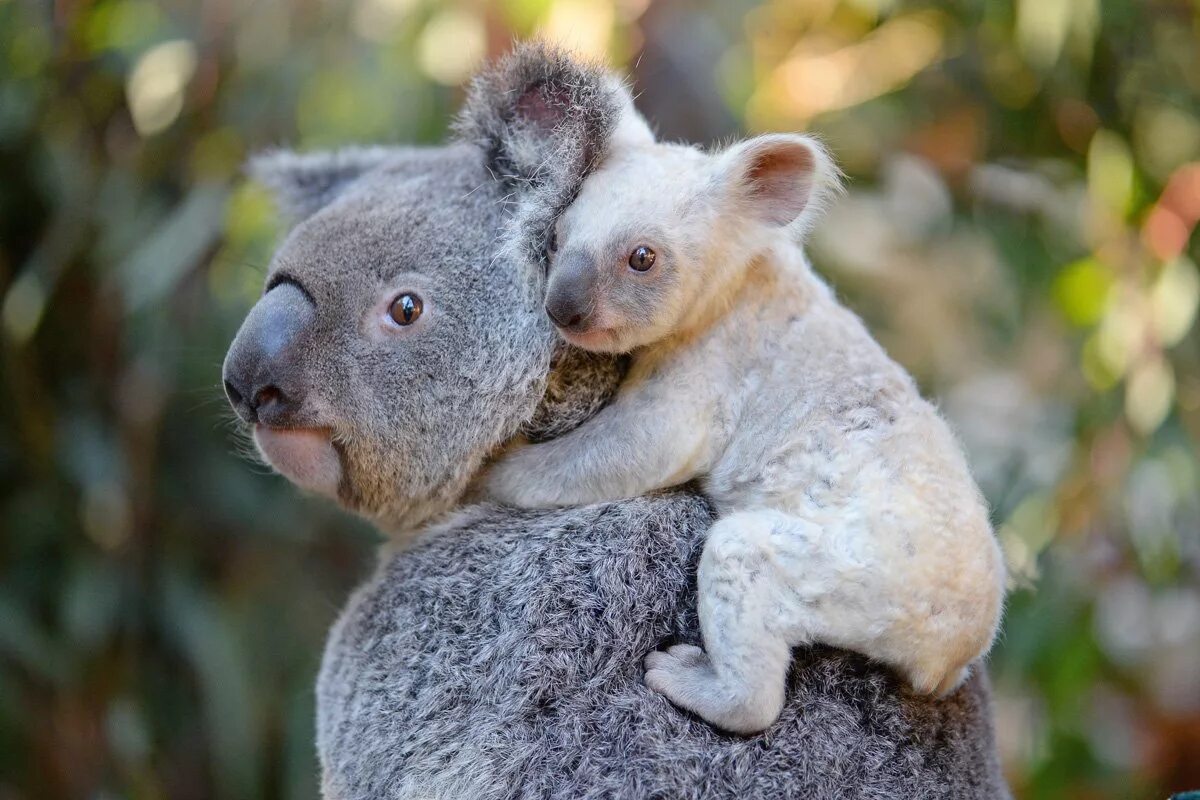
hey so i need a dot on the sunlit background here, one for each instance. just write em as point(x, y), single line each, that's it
point(1019, 231)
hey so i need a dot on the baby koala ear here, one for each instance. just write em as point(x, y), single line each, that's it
point(780, 179)
point(304, 183)
point(540, 114)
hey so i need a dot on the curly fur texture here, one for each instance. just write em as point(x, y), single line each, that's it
point(500, 657)
point(567, 402)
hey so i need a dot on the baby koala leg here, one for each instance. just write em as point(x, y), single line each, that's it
point(737, 683)
point(769, 581)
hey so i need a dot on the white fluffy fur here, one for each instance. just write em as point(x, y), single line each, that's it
point(848, 514)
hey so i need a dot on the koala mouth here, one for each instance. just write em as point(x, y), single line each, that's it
point(597, 340)
point(305, 456)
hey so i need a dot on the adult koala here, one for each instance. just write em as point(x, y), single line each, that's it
point(497, 653)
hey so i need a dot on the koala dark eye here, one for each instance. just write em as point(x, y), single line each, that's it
point(552, 242)
point(642, 258)
point(406, 308)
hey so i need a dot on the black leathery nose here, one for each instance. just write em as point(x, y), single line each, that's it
point(570, 290)
point(264, 366)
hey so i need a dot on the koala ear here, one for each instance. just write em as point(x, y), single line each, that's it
point(304, 183)
point(780, 179)
point(540, 113)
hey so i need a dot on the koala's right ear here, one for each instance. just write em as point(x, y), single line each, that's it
point(540, 113)
point(304, 183)
point(780, 179)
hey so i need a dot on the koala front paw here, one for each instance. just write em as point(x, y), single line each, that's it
point(510, 483)
point(494, 485)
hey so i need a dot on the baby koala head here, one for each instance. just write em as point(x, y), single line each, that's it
point(661, 234)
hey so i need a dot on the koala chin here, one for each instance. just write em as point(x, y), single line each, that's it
point(305, 457)
point(848, 515)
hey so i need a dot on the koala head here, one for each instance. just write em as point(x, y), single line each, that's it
point(660, 233)
point(388, 353)
point(395, 346)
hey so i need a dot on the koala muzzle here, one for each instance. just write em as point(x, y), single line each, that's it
point(263, 367)
point(571, 290)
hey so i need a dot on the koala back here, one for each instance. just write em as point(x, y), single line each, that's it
point(500, 657)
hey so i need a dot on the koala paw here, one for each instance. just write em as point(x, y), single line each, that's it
point(495, 485)
point(685, 676)
point(688, 655)
point(939, 683)
point(511, 483)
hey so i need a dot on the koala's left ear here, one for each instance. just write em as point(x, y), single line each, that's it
point(541, 114)
point(304, 183)
point(780, 179)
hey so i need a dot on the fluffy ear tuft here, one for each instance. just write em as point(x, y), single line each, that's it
point(540, 113)
point(304, 183)
point(782, 179)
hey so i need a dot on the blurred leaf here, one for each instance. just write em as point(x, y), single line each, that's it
point(210, 645)
point(1081, 291)
point(1110, 172)
point(174, 248)
point(1175, 297)
point(22, 641)
point(91, 604)
point(122, 25)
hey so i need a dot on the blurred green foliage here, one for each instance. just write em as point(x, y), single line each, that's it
point(1020, 231)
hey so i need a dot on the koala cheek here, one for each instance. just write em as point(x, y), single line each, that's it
point(305, 457)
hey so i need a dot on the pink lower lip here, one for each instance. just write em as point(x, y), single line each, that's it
point(305, 456)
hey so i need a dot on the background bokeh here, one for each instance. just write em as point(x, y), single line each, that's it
point(1019, 230)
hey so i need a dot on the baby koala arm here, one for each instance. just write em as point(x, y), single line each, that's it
point(646, 440)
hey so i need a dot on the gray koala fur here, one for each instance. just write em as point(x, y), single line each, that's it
point(496, 653)
point(501, 657)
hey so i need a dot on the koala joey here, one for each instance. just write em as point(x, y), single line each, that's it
point(847, 512)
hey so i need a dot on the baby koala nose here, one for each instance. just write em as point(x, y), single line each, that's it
point(564, 312)
point(570, 293)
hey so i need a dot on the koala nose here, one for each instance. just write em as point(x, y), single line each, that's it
point(263, 369)
point(267, 404)
point(563, 312)
point(570, 293)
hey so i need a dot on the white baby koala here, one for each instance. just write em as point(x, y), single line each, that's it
point(847, 512)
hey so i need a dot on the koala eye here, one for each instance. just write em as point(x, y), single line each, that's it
point(642, 258)
point(552, 242)
point(406, 308)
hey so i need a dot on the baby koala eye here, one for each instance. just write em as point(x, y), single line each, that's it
point(406, 309)
point(642, 258)
point(552, 242)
